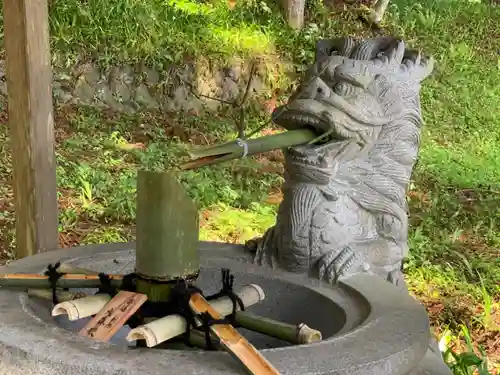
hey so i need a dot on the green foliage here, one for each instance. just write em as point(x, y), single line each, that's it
point(95, 166)
point(165, 31)
point(468, 362)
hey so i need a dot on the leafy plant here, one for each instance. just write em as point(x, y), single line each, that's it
point(465, 363)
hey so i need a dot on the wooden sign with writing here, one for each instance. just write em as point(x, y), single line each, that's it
point(113, 316)
point(232, 341)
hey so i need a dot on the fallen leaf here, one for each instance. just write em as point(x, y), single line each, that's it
point(435, 309)
point(270, 104)
point(274, 198)
point(270, 167)
point(132, 146)
point(204, 217)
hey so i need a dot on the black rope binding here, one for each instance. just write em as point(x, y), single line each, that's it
point(54, 275)
point(206, 321)
point(178, 304)
point(106, 287)
point(227, 291)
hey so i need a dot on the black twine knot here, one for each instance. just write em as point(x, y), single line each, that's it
point(129, 282)
point(54, 275)
point(179, 304)
point(106, 287)
point(207, 321)
point(227, 291)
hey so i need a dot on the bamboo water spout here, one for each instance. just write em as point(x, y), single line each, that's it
point(167, 235)
point(82, 307)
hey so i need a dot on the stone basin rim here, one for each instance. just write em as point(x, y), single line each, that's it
point(393, 313)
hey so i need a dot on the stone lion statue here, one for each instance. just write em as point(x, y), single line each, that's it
point(344, 208)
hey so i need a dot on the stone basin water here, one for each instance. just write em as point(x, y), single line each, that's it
point(369, 326)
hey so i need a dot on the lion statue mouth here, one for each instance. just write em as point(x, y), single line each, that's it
point(334, 114)
point(351, 89)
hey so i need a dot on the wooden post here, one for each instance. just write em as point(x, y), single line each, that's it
point(31, 122)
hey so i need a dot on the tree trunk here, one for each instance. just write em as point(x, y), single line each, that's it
point(294, 13)
point(379, 10)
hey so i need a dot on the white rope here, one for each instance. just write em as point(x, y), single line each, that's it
point(242, 143)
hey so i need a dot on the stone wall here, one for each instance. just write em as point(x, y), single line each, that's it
point(133, 88)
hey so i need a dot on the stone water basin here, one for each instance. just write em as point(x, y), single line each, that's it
point(369, 326)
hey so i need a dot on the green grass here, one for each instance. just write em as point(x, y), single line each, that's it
point(454, 266)
point(167, 31)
